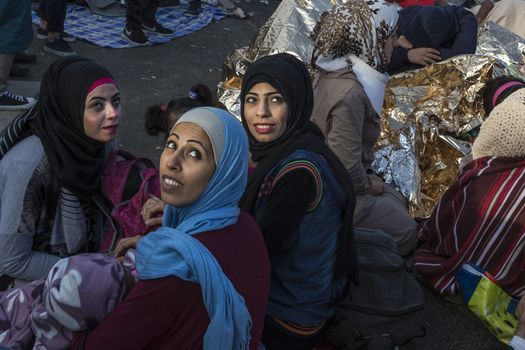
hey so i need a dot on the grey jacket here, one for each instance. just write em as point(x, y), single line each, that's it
point(29, 196)
point(351, 126)
point(26, 190)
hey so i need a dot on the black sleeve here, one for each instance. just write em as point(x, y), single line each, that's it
point(286, 206)
point(398, 60)
point(466, 40)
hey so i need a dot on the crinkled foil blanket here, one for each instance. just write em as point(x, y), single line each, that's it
point(429, 115)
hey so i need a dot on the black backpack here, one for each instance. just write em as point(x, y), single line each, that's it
point(386, 308)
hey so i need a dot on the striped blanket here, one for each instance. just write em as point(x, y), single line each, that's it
point(480, 219)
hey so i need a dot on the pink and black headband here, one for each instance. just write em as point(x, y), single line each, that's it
point(501, 89)
point(101, 81)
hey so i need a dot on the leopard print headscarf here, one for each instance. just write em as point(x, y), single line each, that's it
point(357, 27)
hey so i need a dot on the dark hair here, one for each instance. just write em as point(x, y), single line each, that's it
point(493, 85)
point(160, 118)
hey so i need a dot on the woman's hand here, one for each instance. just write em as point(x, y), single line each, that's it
point(152, 211)
point(423, 56)
point(124, 244)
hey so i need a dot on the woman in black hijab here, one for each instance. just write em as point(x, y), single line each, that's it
point(51, 168)
point(301, 197)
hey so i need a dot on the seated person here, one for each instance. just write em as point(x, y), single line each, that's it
point(429, 34)
point(51, 163)
point(302, 198)
point(203, 278)
point(348, 99)
point(481, 217)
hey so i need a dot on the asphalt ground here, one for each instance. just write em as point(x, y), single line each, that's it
point(156, 74)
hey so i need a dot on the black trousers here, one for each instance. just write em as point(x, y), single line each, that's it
point(54, 12)
point(139, 12)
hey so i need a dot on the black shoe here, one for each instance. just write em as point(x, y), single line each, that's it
point(41, 33)
point(135, 36)
point(59, 47)
point(13, 102)
point(24, 57)
point(158, 29)
point(18, 72)
point(194, 8)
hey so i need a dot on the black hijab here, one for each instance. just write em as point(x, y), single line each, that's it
point(76, 160)
point(290, 77)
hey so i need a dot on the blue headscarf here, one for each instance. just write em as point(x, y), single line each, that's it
point(172, 251)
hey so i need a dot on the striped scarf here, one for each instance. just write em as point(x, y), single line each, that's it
point(480, 219)
point(16, 130)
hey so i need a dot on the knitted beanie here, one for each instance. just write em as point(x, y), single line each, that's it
point(501, 134)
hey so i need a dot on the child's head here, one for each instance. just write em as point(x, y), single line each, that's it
point(161, 118)
point(499, 89)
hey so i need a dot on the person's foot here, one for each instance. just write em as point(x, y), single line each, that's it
point(13, 102)
point(158, 29)
point(41, 33)
point(135, 36)
point(18, 72)
point(59, 47)
point(24, 57)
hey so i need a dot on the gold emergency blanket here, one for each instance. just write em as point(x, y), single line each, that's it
point(428, 115)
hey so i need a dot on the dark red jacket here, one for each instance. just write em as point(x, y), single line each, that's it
point(168, 313)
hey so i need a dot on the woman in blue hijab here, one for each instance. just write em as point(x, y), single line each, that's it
point(203, 278)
